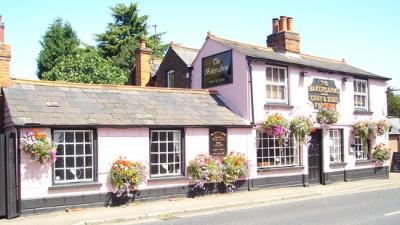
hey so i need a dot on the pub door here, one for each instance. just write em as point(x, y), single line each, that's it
point(8, 177)
point(314, 158)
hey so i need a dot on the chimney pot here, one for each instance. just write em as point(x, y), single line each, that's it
point(290, 24)
point(282, 23)
point(142, 43)
point(275, 25)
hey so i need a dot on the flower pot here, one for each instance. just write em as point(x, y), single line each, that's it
point(120, 200)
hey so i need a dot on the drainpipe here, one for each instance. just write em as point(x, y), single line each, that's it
point(251, 102)
point(18, 165)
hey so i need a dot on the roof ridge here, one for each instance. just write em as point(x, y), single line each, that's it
point(185, 47)
point(212, 36)
point(323, 58)
point(109, 86)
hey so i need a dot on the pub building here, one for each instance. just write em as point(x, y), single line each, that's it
point(233, 88)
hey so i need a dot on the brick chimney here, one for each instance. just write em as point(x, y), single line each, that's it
point(5, 57)
point(143, 64)
point(283, 39)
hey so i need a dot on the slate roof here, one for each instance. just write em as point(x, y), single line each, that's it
point(185, 53)
point(39, 103)
point(309, 61)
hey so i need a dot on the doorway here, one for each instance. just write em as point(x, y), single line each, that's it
point(314, 158)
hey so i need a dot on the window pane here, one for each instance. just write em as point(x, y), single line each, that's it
point(88, 136)
point(269, 74)
point(58, 137)
point(79, 149)
point(163, 147)
point(60, 149)
point(177, 136)
point(88, 173)
point(70, 174)
point(163, 158)
point(69, 137)
point(79, 136)
point(69, 149)
point(154, 158)
point(154, 169)
point(79, 162)
point(59, 162)
point(88, 149)
point(59, 175)
point(275, 75)
point(80, 174)
point(170, 136)
point(163, 136)
point(88, 161)
point(154, 136)
point(281, 76)
point(70, 162)
point(154, 147)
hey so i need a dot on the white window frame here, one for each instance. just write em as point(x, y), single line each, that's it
point(360, 94)
point(176, 143)
point(168, 78)
point(336, 145)
point(279, 156)
point(84, 155)
point(285, 84)
point(359, 145)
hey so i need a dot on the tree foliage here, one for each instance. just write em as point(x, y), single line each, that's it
point(121, 38)
point(393, 101)
point(86, 66)
point(59, 40)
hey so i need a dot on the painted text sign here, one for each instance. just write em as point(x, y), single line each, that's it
point(323, 91)
point(217, 69)
point(218, 142)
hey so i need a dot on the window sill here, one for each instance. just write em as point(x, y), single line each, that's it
point(167, 179)
point(362, 112)
point(338, 164)
point(74, 185)
point(362, 162)
point(278, 106)
point(279, 168)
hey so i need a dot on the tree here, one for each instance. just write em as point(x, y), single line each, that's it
point(393, 101)
point(86, 66)
point(121, 38)
point(59, 40)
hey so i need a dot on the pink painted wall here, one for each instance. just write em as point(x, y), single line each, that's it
point(132, 143)
point(234, 94)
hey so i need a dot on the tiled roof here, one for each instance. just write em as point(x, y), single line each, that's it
point(155, 64)
point(314, 62)
point(185, 53)
point(32, 103)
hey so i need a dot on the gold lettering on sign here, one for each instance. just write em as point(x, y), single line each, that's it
point(323, 91)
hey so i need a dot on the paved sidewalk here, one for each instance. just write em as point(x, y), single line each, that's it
point(142, 210)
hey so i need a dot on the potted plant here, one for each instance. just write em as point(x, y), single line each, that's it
point(301, 127)
point(235, 166)
point(204, 171)
point(381, 153)
point(381, 128)
point(327, 114)
point(125, 175)
point(38, 146)
point(276, 125)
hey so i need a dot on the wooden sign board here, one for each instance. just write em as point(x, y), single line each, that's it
point(218, 142)
point(323, 91)
point(217, 69)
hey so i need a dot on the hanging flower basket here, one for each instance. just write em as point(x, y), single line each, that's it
point(301, 127)
point(327, 115)
point(381, 127)
point(364, 129)
point(125, 175)
point(39, 147)
point(381, 152)
point(276, 125)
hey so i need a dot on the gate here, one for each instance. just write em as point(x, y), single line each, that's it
point(8, 177)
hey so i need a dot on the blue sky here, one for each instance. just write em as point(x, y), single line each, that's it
point(364, 33)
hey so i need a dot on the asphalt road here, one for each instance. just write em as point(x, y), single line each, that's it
point(367, 208)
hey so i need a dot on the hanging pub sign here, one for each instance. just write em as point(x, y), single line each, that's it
point(218, 141)
point(217, 69)
point(323, 91)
